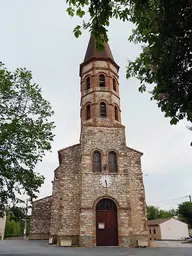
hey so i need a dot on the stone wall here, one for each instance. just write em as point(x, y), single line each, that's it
point(154, 235)
point(127, 188)
point(65, 210)
point(40, 219)
point(77, 189)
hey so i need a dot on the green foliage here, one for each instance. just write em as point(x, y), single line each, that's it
point(154, 212)
point(28, 226)
point(164, 30)
point(77, 31)
point(13, 228)
point(185, 212)
point(25, 134)
point(16, 213)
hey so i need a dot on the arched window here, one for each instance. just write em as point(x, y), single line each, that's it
point(112, 161)
point(116, 113)
point(88, 112)
point(103, 112)
point(114, 85)
point(88, 83)
point(102, 81)
point(97, 161)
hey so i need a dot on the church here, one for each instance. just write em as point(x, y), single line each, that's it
point(98, 196)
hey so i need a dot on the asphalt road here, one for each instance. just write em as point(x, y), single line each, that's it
point(41, 248)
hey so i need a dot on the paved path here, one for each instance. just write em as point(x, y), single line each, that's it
point(41, 248)
point(172, 244)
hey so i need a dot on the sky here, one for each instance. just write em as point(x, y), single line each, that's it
point(38, 35)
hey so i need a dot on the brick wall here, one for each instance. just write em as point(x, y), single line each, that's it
point(97, 94)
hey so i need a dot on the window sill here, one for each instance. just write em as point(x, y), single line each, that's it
point(105, 173)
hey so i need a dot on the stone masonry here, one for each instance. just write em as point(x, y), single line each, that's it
point(71, 210)
point(40, 219)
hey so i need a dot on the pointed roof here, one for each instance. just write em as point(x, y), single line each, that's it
point(93, 53)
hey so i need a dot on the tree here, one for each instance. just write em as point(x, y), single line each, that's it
point(190, 129)
point(164, 29)
point(13, 228)
point(16, 213)
point(15, 222)
point(185, 212)
point(25, 134)
point(154, 212)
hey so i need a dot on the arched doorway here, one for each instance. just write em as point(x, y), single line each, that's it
point(106, 223)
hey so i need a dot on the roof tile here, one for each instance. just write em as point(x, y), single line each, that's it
point(93, 53)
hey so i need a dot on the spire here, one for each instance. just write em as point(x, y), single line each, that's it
point(93, 53)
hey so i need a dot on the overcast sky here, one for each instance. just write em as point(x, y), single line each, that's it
point(37, 34)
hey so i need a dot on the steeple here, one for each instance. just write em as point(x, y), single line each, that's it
point(100, 101)
point(93, 53)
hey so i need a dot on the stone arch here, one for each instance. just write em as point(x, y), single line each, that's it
point(101, 73)
point(92, 160)
point(106, 213)
point(112, 158)
point(118, 112)
point(105, 197)
point(112, 149)
point(114, 84)
point(88, 112)
point(117, 155)
point(84, 82)
point(87, 83)
point(103, 109)
point(84, 111)
point(85, 105)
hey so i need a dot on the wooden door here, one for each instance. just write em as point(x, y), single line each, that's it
point(106, 223)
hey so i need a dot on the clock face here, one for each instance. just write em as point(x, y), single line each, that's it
point(105, 181)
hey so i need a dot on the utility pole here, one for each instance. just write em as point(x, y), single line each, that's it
point(26, 211)
point(189, 198)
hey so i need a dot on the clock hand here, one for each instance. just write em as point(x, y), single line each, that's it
point(106, 182)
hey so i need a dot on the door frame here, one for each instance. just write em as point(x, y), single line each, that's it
point(95, 213)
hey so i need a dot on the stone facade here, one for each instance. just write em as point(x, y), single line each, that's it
point(77, 188)
point(40, 219)
point(65, 209)
point(127, 188)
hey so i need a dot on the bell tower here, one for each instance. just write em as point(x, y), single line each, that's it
point(113, 208)
point(100, 101)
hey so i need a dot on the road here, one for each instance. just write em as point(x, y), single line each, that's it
point(41, 248)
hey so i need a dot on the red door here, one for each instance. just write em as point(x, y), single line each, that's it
point(106, 223)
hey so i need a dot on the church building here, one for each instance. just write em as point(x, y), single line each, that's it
point(98, 196)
